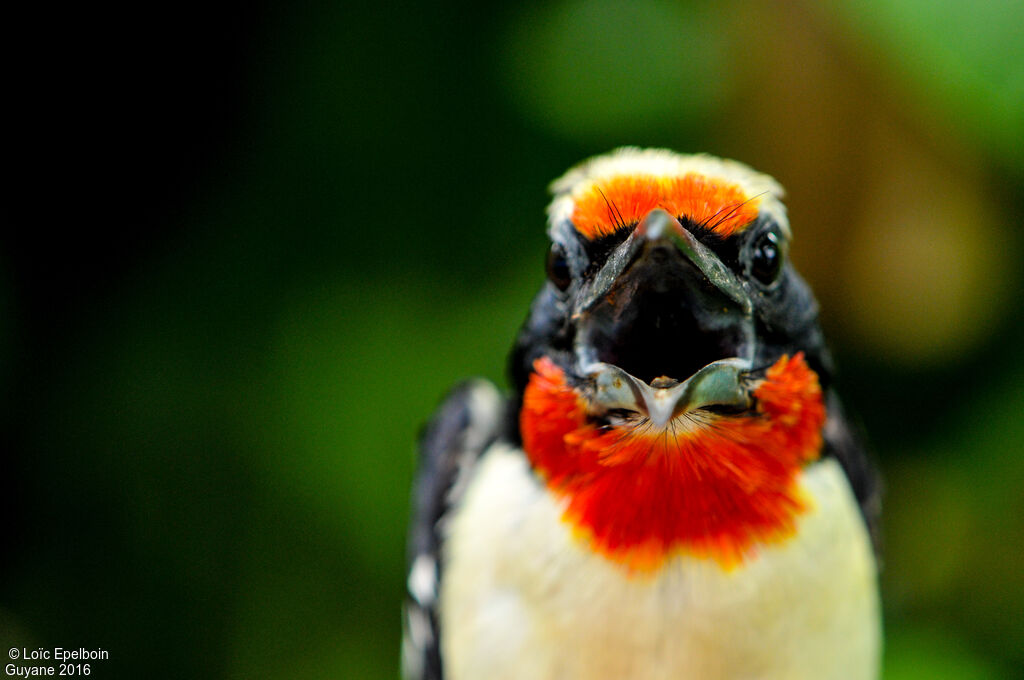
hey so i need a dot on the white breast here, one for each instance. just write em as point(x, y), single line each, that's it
point(522, 597)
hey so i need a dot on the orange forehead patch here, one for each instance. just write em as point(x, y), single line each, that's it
point(607, 205)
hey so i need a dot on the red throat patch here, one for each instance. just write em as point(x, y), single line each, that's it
point(607, 205)
point(709, 486)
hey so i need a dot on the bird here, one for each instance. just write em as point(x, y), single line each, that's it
point(671, 487)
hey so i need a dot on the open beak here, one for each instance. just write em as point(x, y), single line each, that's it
point(664, 326)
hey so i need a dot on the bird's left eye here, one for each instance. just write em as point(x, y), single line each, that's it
point(558, 268)
point(766, 258)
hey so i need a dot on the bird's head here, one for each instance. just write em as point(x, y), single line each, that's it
point(671, 367)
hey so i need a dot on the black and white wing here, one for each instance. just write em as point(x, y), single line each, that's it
point(472, 417)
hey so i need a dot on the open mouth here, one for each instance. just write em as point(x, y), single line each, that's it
point(655, 336)
point(664, 340)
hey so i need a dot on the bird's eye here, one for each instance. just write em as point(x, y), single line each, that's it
point(558, 268)
point(766, 258)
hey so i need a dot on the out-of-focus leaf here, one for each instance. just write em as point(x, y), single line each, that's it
point(954, 521)
point(928, 266)
point(601, 70)
point(963, 60)
point(926, 655)
point(350, 377)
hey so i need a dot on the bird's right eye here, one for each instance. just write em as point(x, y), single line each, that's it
point(558, 268)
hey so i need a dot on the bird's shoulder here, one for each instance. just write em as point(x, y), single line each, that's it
point(844, 441)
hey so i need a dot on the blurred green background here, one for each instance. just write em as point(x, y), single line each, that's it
point(249, 247)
